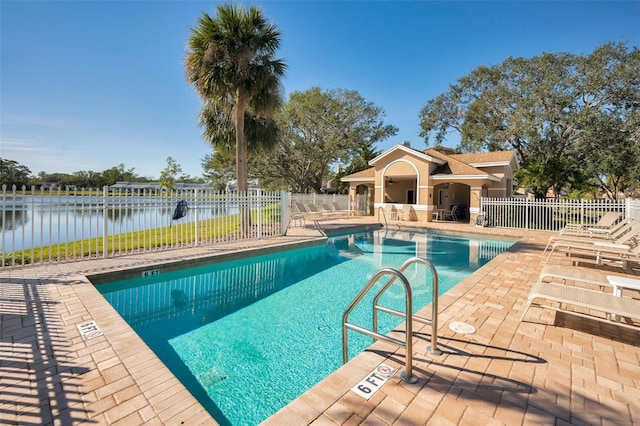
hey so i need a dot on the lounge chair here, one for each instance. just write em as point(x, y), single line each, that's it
point(607, 220)
point(613, 233)
point(339, 210)
point(315, 213)
point(590, 276)
point(308, 212)
point(584, 298)
point(623, 249)
point(328, 212)
point(584, 275)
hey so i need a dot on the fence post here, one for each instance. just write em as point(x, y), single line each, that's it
point(259, 213)
point(105, 222)
point(285, 201)
point(627, 208)
point(526, 213)
point(195, 214)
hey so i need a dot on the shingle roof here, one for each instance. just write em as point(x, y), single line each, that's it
point(367, 173)
point(456, 166)
point(484, 157)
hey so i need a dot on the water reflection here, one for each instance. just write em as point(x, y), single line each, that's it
point(13, 220)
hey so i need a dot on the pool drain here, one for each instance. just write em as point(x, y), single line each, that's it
point(462, 327)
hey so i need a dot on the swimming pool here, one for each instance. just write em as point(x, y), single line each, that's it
point(248, 336)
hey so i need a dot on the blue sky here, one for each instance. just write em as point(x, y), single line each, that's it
point(89, 85)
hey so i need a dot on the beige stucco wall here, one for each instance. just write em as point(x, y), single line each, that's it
point(413, 172)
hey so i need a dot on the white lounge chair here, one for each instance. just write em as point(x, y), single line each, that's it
point(607, 220)
point(307, 212)
point(623, 249)
point(581, 297)
point(563, 273)
point(615, 232)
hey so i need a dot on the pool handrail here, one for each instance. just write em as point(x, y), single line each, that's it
point(433, 349)
point(408, 375)
point(384, 215)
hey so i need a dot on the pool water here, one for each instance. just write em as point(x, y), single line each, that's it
point(246, 337)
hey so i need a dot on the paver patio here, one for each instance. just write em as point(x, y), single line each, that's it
point(553, 368)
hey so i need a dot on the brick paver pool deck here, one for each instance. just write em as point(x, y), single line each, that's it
point(553, 368)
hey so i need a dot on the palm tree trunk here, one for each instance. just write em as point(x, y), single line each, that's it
point(241, 149)
point(241, 162)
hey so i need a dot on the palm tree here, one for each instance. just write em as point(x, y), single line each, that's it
point(231, 64)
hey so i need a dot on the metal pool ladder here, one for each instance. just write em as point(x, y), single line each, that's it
point(407, 375)
point(384, 216)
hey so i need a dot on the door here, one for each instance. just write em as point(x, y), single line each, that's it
point(411, 196)
point(362, 200)
point(443, 199)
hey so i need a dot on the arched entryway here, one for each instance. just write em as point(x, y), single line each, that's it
point(453, 197)
point(400, 183)
point(363, 200)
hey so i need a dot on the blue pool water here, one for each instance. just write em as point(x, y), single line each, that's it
point(248, 336)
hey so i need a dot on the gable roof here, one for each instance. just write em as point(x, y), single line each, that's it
point(497, 158)
point(402, 147)
point(456, 167)
point(363, 175)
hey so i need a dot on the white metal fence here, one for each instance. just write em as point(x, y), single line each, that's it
point(41, 226)
point(551, 215)
point(320, 199)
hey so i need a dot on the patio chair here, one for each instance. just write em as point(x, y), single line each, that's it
point(612, 234)
point(405, 212)
point(450, 215)
point(590, 276)
point(297, 215)
point(308, 213)
point(390, 212)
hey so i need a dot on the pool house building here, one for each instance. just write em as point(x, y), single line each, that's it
point(430, 185)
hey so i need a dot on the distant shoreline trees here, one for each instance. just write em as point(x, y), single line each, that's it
point(14, 173)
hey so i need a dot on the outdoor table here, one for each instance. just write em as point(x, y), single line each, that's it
point(619, 283)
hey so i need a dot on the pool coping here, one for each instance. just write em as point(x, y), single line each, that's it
point(173, 265)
